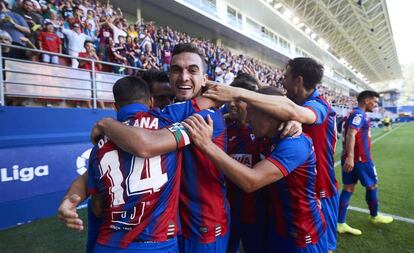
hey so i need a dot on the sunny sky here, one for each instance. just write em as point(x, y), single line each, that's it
point(402, 21)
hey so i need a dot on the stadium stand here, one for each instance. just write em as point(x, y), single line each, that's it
point(121, 47)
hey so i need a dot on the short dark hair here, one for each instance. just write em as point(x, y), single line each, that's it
point(190, 48)
point(24, 1)
point(270, 90)
point(88, 41)
point(153, 75)
point(131, 89)
point(245, 81)
point(367, 94)
point(310, 70)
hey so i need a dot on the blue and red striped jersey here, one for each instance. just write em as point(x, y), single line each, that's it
point(294, 207)
point(358, 120)
point(323, 133)
point(204, 210)
point(140, 195)
point(243, 146)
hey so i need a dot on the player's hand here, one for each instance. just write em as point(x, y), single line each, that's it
point(97, 131)
point(221, 92)
point(200, 131)
point(290, 128)
point(349, 164)
point(67, 212)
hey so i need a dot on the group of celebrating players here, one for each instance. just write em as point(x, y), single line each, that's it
point(188, 179)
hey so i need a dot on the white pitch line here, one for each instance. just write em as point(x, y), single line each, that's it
point(377, 139)
point(396, 217)
point(362, 210)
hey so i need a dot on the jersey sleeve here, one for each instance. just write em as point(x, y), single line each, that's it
point(320, 110)
point(92, 172)
point(179, 111)
point(290, 153)
point(355, 120)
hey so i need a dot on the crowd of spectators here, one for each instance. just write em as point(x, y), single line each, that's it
point(96, 30)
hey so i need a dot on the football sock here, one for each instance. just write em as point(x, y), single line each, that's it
point(371, 197)
point(343, 205)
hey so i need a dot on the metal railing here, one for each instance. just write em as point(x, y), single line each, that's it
point(18, 78)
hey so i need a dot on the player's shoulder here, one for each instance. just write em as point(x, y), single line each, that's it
point(178, 105)
point(356, 117)
point(298, 142)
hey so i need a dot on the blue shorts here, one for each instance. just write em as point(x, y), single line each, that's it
point(169, 246)
point(365, 172)
point(94, 223)
point(330, 209)
point(278, 244)
point(235, 237)
point(191, 246)
point(252, 237)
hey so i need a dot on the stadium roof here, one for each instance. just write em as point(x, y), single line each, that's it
point(357, 31)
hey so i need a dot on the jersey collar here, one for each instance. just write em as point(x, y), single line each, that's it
point(130, 110)
point(359, 110)
point(315, 94)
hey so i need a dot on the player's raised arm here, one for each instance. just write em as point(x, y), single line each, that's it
point(279, 107)
point(249, 180)
point(137, 141)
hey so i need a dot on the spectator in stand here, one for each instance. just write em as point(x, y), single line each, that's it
point(133, 54)
point(76, 40)
point(5, 38)
point(49, 41)
point(91, 20)
point(33, 19)
point(13, 23)
point(228, 76)
point(132, 32)
point(92, 32)
point(220, 72)
point(66, 9)
point(117, 29)
point(86, 6)
point(119, 53)
point(166, 56)
point(90, 53)
point(145, 41)
point(49, 7)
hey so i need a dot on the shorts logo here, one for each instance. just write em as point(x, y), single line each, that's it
point(203, 230)
point(252, 137)
point(82, 162)
point(357, 119)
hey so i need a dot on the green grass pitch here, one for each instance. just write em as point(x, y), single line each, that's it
point(394, 159)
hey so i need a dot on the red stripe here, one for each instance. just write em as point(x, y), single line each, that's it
point(282, 168)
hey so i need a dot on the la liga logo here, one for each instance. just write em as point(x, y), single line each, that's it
point(82, 162)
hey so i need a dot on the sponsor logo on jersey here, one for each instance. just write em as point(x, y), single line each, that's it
point(245, 159)
point(357, 119)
